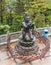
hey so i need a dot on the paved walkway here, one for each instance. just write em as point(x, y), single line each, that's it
point(7, 60)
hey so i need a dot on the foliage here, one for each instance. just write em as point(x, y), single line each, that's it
point(17, 23)
point(4, 29)
point(39, 12)
point(12, 12)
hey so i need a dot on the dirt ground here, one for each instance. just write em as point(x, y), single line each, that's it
point(8, 60)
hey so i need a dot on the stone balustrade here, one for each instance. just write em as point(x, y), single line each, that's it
point(15, 35)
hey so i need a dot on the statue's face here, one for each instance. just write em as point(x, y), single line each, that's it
point(27, 19)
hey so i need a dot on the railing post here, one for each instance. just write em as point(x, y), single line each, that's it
point(8, 39)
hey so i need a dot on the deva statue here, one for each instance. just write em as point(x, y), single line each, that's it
point(27, 26)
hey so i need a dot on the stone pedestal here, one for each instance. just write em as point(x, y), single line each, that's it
point(27, 48)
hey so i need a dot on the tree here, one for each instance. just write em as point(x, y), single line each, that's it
point(37, 9)
point(2, 9)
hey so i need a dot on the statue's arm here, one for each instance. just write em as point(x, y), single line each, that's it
point(24, 25)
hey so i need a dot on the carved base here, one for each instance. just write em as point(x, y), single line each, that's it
point(27, 48)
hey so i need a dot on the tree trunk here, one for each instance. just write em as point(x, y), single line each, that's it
point(1, 12)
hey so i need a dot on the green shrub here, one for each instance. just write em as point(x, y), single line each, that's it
point(4, 29)
point(17, 23)
point(40, 24)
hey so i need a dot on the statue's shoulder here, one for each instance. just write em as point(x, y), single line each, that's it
point(23, 23)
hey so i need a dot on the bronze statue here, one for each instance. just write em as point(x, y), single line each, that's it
point(27, 25)
point(27, 44)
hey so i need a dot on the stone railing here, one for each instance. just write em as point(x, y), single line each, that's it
point(15, 35)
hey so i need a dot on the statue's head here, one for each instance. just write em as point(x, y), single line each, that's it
point(26, 17)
